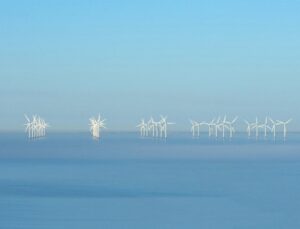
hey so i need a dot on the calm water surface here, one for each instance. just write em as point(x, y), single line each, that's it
point(123, 181)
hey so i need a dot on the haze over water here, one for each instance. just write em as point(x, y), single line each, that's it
point(69, 60)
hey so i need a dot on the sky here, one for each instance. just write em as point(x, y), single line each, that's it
point(70, 60)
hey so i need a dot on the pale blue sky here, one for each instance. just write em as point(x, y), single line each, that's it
point(69, 60)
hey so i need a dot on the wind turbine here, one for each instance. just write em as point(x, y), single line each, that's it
point(154, 126)
point(28, 126)
point(39, 127)
point(163, 124)
point(193, 123)
point(249, 127)
point(218, 125)
point(196, 125)
point(265, 127)
point(211, 126)
point(151, 126)
point(96, 125)
point(273, 128)
point(44, 126)
point(284, 126)
point(143, 128)
point(256, 127)
point(223, 126)
point(35, 126)
point(230, 126)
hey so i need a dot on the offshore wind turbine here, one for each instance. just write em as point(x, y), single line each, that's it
point(39, 127)
point(211, 126)
point(151, 126)
point(218, 126)
point(249, 127)
point(256, 127)
point(143, 128)
point(28, 126)
point(284, 124)
point(265, 127)
point(273, 128)
point(223, 126)
point(96, 125)
point(230, 126)
point(154, 126)
point(34, 125)
point(163, 125)
point(194, 124)
point(44, 127)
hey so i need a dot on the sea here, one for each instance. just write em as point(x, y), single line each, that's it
point(124, 181)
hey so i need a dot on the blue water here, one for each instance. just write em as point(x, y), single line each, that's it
point(123, 181)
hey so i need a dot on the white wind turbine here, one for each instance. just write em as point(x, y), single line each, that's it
point(273, 128)
point(39, 127)
point(211, 126)
point(223, 126)
point(196, 125)
point(44, 127)
point(284, 124)
point(151, 126)
point(154, 126)
point(34, 126)
point(143, 128)
point(230, 126)
point(28, 126)
point(256, 127)
point(218, 126)
point(265, 127)
point(96, 125)
point(193, 123)
point(163, 124)
point(249, 127)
